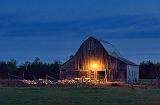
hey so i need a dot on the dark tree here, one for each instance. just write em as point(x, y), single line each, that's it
point(149, 70)
point(29, 70)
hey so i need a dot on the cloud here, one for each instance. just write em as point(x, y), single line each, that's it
point(125, 26)
point(49, 28)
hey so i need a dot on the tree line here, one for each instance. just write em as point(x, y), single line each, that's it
point(29, 70)
point(149, 70)
point(37, 69)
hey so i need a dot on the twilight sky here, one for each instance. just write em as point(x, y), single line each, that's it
point(54, 29)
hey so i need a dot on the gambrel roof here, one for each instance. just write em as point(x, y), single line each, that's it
point(112, 51)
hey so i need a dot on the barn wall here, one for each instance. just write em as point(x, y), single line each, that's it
point(121, 72)
point(112, 68)
point(116, 70)
point(91, 51)
point(132, 73)
point(66, 68)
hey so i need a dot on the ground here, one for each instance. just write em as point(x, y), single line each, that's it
point(78, 96)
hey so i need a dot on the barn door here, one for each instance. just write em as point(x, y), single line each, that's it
point(100, 75)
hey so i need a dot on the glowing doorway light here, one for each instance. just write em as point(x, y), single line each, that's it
point(94, 66)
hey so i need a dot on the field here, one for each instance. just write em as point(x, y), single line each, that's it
point(79, 96)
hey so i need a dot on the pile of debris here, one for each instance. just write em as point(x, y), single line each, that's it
point(27, 83)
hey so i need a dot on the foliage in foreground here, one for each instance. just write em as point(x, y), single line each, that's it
point(79, 96)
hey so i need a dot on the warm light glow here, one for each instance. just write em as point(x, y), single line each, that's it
point(95, 65)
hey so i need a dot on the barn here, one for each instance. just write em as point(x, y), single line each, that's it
point(96, 60)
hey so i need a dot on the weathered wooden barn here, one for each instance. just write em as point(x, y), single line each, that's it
point(93, 60)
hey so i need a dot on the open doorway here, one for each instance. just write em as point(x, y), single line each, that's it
point(100, 75)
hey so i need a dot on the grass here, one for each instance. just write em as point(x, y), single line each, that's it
point(148, 81)
point(68, 96)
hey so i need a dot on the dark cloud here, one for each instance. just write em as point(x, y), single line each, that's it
point(126, 26)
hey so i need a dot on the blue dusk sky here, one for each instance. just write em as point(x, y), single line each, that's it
point(54, 29)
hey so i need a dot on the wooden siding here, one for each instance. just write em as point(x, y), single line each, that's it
point(92, 51)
